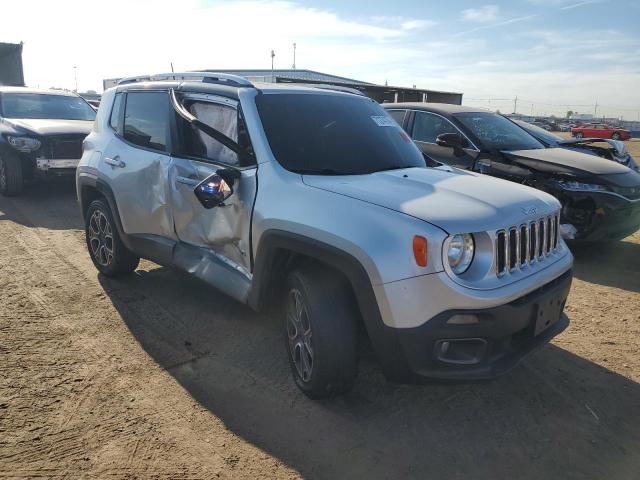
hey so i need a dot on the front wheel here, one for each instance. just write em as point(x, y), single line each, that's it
point(11, 179)
point(615, 136)
point(110, 256)
point(579, 135)
point(320, 332)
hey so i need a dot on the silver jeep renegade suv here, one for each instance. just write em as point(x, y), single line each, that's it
point(315, 202)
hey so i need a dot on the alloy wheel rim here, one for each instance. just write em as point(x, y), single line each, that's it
point(299, 334)
point(101, 238)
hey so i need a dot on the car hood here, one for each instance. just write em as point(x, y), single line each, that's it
point(52, 127)
point(563, 161)
point(454, 200)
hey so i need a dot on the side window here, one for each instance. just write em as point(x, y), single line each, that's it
point(115, 121)
point(146, 119)
point(198, 144)
point(427, 127)
point(398, 116)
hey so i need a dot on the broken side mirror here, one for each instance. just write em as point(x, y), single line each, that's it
point(215, 189)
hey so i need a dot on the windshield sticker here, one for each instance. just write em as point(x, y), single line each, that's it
point(384, 121)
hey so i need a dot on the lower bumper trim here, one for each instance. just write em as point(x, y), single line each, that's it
point(505, 334)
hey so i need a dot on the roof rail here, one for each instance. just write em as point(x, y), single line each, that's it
point(204, 77)
point(326, 86)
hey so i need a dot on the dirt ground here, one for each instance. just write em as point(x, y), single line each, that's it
point(160, 376)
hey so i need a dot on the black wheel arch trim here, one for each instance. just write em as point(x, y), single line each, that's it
point(383, 339)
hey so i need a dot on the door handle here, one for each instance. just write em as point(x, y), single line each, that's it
point(187, 181)
point(115, 161)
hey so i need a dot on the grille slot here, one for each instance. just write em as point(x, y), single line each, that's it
point(501, 252)
point(524, 245)
point(517, 247)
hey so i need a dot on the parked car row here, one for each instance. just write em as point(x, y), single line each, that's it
point(600, 198)
point(315, 203)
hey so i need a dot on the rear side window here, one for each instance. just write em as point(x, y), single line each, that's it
point(398, 116)
point(427, 127)
point(198, 144)
point(146, 119)
point(115, 120)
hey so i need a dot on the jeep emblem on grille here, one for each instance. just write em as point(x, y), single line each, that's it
point(529, 210)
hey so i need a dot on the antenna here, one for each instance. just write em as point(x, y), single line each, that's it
point(294, 56)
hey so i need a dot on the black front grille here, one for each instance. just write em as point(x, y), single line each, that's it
point(65, 147)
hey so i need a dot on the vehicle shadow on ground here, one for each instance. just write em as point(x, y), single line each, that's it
point(56, 199)
point(614, 264)
point(555, 416)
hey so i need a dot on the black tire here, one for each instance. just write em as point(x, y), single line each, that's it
point(579, 135)
point(331, 317)
point(110, 256)
point(11, 178)
point(615, 136)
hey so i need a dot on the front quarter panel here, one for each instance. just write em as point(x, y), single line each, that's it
point(379, 238)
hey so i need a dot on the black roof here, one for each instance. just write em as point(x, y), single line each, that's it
point(444, 108)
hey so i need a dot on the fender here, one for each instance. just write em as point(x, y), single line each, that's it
point(151, 247)
point(268, 262)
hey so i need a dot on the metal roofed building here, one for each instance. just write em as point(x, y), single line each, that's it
point(380, 93)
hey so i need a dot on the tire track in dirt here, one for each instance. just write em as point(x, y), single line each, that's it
point(90, 394)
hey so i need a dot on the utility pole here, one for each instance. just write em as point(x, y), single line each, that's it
point(171, 66)
point(515, 105)
point(294, 56)
point(595, 109)
point(273, 54)
point(75, 77)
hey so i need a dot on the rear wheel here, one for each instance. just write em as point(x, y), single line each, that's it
point(11, 179)
point(320, 332)
point(615, 136)
point(579, 135)
point(110, 256)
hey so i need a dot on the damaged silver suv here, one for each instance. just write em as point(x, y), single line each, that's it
point(316, 204)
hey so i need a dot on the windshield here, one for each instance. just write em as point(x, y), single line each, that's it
point(43, 106)
point(334, 134)
point(496, 132)
point(540, 133)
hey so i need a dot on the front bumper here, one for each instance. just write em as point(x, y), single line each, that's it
point(601, 216)
point(502, 336)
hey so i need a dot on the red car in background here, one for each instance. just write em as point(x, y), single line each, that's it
point(600, 130)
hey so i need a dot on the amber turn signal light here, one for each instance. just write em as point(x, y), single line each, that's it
point(420, 250)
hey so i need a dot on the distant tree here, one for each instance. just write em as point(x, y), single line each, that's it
point(569, 113)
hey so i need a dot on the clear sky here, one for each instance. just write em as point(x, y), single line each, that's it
point(553, 54)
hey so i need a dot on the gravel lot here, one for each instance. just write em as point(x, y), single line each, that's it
point(158, 375)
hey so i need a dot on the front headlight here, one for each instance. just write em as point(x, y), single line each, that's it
point(578, 186)
point(24, 144)
point(460, 252)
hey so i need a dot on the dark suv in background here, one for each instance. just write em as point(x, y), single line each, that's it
point(600, 198)
point(41, 135)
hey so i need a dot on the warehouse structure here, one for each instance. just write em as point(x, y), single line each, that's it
point(380, 93)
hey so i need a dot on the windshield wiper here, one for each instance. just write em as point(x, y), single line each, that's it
point(393, 167)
